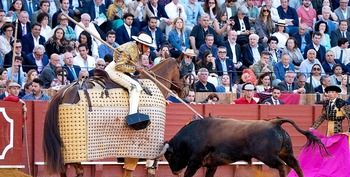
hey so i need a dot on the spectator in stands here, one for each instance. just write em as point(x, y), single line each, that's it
point(190, 97)
point(36, 60)
point(290, 16)
point(234, 51)
point(202, 85)
point(212, 98)
point(208, 45)
point(83, 75)
point(251, 52)
point(44, 8)
point(247, 98)
point(344, 7)
point(84, 60)
point(31, 75)
point(186, 65)
point(127, 30)
point(100, 64)
point(340, 32)
point(85, 37)
point(116, 10)
point(324, 98)
point(157, 36)
point(337, 77)
point(164, 54)
point(303, 38)
point(198, 33)
point(6, 90)
point(95, 8)
point(18, 52)
point(322, 27)
point(226, 85)
point(103, 49)
point(275, 98)
point(225, 65)
point(330, 62)
point(5, 40)
point(307, 14)
point(325, 82)
point(315, 77)
point(68, 30)
point(294, 52)
point(57, 43)
point(3, 77)
point(32, 39)
point(316, 45)
point(326, 16)
point(13, 93)
point(303, 86)
point(207, 61)
point(72, 70)
point(16, 74)
point(31, 7)
point(108, 59)
point(344, 85)
point(46, 30)
point(253, 12)
point(60, 79)
point(23, 24)
point(178, 38)
point(86, 22)
point(211, 7)
point(230, 7)
point(193, 10)
point(141, 12)
point(306, 65)
point(15, 10)
point(341, 52)
point(275, 53)
point(264, 24)
point(288, 85)
point(49, 71)
point(241, 25)
point(262, 66)
point(2, 19)
point(264, 82)
point(273, 9)
point(37, 91)
point(282, 66)
point(26, 89)
point(221, 25)
point(281, 34)
point(64, 9)
point(174, 10)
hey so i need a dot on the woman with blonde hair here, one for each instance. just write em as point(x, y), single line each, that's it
point(31, 75)
point(344, 85)
point(178, 38)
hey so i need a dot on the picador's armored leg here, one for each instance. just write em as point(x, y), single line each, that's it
point(127, 173)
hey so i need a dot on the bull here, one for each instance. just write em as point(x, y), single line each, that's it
point(213, 142)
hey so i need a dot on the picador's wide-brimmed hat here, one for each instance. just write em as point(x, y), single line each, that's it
point(189, 52)
point(332, 88)
point(144, 39)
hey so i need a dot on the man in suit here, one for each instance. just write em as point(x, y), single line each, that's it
point(23, 25)
point(18, 52)
point(340, 32)
point(303, 86)
point(125, 32)
point(282, 66)
point(72, 70)
point(141, 12)
point(303, 38)
point(225, 65)
point(44, 8)
point(343, 8)
point(325, 81)
point(64, 8)
point(36, 60)
point(157, 36)
point(5, 5)
point(30, 6)
point(275, 98)
point(100, 64)
point(251, 51)
point(234, 51)
point(230, 8)
point(320, 49)
point(288, 85)
point(28, 39)
point(86, 22)
point(158, 11)
point(90, 8)
point(331, 61)
point(49, 71)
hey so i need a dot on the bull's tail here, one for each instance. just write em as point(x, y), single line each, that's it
point(312, 140)
point(52, 142)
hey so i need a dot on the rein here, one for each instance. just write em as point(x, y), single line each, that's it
point(169, 81)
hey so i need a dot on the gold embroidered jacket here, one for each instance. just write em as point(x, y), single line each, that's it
point(127, 52)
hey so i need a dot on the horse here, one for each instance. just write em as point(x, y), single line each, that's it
point(167, 72)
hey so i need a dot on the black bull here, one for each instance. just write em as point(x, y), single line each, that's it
point(213, 142)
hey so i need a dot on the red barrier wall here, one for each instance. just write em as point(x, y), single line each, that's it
point(177, 116)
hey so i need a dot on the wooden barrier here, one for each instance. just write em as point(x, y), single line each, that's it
point(177, 116)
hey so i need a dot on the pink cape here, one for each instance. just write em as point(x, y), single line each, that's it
point(313, 164)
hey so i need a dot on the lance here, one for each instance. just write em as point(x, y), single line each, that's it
point(143, 71)
point(13, 51)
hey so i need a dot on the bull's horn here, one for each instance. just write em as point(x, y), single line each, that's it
point(166, 146)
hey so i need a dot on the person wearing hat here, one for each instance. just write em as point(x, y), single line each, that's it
point(186, 64)
point(248, 90)
point(281, 34)
point(335, 110)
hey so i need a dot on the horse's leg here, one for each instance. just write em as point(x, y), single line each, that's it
point(79, 169)
point(129, 166)
point(151, 166)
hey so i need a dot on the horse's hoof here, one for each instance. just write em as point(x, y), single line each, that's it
point(151, 172)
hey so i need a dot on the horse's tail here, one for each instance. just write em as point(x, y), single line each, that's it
point(52, 142)
point(311, 138)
